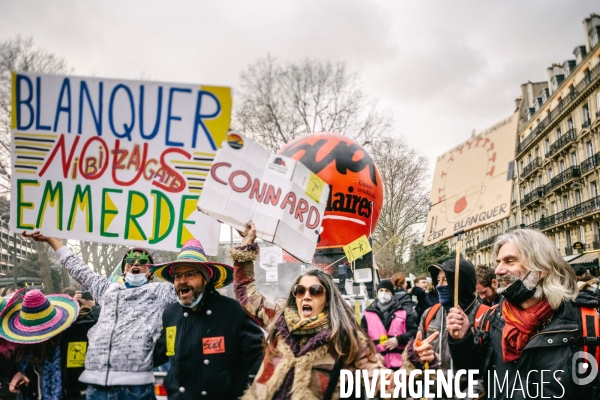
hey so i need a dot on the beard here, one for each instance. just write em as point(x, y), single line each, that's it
point(505, 281)
point(184, 288)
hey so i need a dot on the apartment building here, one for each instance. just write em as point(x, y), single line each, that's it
point(557, 174)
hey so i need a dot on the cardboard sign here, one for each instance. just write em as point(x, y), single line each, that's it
point(249, 183)
point(270, 257)
point(114, 161)
point(472, 183)
point(213, 345)
point(357, 248)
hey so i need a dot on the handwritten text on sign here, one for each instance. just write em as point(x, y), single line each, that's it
point(114, 161)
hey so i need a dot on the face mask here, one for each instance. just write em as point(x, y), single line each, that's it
point(135, 280)
point(444, 295)
point(517, 293)
point(384, 297)
point(194, 304)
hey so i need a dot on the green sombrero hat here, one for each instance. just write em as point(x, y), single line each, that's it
point(192, 254)
point(34, 318)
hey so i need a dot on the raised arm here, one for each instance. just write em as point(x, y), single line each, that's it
point(97, 284)
point(254, 303)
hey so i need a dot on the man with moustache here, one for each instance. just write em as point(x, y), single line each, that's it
point(531, 338)
point(487, 285)
point(213, 347)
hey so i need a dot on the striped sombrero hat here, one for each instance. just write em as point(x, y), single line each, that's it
point(7, 300)
point(34, 318)
point(192, 254)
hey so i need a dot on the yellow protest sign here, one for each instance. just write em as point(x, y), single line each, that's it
point(315, 186)
point(357, 248)
point(76, 354)
point(171, 334)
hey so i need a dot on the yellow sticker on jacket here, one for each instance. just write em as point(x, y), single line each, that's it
point(171, 334)
point(76, 354)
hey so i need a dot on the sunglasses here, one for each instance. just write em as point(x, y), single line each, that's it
point(314, 290)
point(141, 260)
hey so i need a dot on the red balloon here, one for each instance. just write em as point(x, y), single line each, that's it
point(356, 190)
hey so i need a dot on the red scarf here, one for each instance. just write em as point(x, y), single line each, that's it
point(520, 326)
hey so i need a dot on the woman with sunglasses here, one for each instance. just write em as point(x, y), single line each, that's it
point(309, 338)
point(118, 361)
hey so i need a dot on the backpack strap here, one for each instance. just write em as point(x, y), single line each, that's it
point(479, 315)
point(590, 321)
point(432, 311)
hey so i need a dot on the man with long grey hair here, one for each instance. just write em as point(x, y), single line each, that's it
point(528, 345)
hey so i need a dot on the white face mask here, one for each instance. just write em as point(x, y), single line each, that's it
point(135, 280)
point(384, 297)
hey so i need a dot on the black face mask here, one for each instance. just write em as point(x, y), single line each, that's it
point(517, 293)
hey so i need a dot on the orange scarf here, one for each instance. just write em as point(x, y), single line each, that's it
point(520, 326)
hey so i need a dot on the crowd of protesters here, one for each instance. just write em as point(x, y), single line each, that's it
point(532, 312)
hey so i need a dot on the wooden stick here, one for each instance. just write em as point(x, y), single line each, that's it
point(457, 272)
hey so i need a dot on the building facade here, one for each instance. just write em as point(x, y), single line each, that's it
point(557, 172)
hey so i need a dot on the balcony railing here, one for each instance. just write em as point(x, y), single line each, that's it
point(562, 178)
point(470, 250)
point(595, 245)
point(513, 203)
point(586, 124)
point(564, 140)
point(535, 194)
point(560, 107)
point(568, 251)
point(529, 168)
point(487, 242)
point(568, 214)
point(590, 163)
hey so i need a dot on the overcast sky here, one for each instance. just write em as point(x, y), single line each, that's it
point(443, 68)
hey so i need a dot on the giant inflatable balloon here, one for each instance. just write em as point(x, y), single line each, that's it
point(356, 190)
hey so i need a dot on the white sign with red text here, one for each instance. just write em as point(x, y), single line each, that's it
point(280, 195)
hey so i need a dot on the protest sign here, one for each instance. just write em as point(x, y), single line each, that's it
point(283, 197)
point(472, 183)
point(270, 257)
point(357, 248)
point(114, 161)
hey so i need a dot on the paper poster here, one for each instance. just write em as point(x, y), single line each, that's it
point(357, 248)
point(472, 183)
point(281, 196)
point(114, 161)
point(269, 258)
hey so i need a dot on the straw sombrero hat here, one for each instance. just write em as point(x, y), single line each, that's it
point(34, 318)
point(192, 254)
point(5, 301)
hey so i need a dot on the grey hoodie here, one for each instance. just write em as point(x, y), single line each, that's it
point(121, 343)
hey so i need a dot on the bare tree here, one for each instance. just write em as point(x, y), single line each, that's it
point(404, 176)
point(280, 101)
point(21, 55)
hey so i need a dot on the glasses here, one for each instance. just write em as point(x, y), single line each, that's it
point(141, 260)
point(188, 275)
point(315, 290)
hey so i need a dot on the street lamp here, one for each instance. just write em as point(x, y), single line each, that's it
point(6, 218)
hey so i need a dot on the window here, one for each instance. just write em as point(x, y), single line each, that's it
point(585, 113)
point(540, 182)
point(598, 103)
point(521, 167)
point(554, 207)
point(537, 151)
point(594, 39)
point(593, 189)
point(582, 234)
point(577, 197)
point(558, 133)
point(568, 238)
point(570, 125)
point(589, 149)
point(565, 202)
point(547, 145)
point(550, 174)
point(557, 240)
point(596, 231)
point(561, 166)
point(535, 216)
point(527, 219)
point(573, 159)
point(529, 158)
